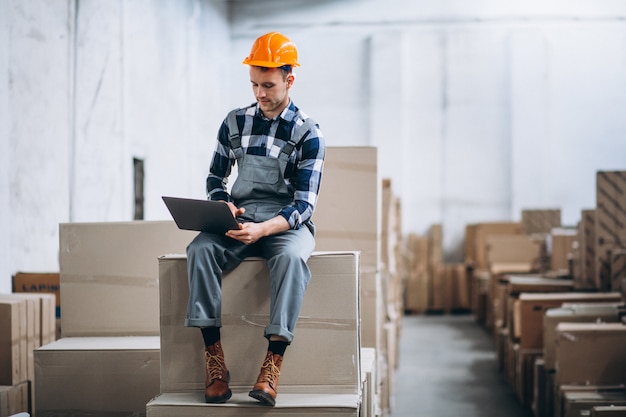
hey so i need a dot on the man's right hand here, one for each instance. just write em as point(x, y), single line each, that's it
point(236, 211)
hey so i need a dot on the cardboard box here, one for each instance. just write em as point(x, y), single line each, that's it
point(562, 240)
point(618, 268)
point(561, 390)
point(587, 247)
point(525, 377)
point(351, 179)
point(109, 275)
point(97, 376)
point(529, 308)
point(40, 282)
point(329, 312)
point(13, 341)
point(14, 399)
point(579, 313)
point(516, 250)
point(608, 411)
point(590, 353)
point(576, 404)
point(540, 221)
point(477, 256)
point(610, 226)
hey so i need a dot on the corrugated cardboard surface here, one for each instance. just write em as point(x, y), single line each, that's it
point(540, 220)
point(590, 353)
point(109, 275)
point(13, 341)
point(480, 233)
point(578, 314)
point(329, 313)
point(587, 247)
point(618, 268)
point(529, 309)
point(610, 229)
point(101, 376)
point(348, 217)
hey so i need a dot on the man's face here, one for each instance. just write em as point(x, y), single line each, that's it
point(271, 90)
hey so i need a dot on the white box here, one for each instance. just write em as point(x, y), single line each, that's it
point(109, 275)
point(97, 376)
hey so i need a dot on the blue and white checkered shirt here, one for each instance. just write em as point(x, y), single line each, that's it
point(265, 137)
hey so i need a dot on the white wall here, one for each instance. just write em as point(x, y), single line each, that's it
point(87, 85)
point(479, 108)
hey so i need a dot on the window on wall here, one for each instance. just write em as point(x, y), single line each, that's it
point(138, 176)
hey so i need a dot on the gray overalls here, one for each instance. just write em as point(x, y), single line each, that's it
point(260, 188)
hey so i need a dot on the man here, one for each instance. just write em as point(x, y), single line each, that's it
point(280, 155)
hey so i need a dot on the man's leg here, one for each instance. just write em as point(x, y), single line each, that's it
point(207, 256)
point(287, 255)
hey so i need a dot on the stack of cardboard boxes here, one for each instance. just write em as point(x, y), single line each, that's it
point(107, 361)
point(124, 349)
point(554, 300)
point(27, 321)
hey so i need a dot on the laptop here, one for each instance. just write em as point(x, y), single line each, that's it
point(201, 215)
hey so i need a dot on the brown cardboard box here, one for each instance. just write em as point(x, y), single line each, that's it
point(513, 249)
point(576, 404)
point(481, 232)
point(578, 313)
point(14, 399)
point(590, 353)
point(13, 341)
point(610, 230)
point(618, 268)
point(351, 179)
point(109, 275)
point(97, 376)
point(540, 221)
point(562, 241)
point(587, 248)
point(529, 308)
point(370, 403)
point(36, 282)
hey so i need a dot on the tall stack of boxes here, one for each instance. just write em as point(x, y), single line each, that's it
point(107, 361)
point(27, 321)
point(555, 303)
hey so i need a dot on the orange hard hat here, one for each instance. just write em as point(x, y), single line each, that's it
point(273, 50)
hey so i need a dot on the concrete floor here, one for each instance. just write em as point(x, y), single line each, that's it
point(447, 368)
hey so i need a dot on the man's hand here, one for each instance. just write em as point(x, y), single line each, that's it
point(236, 211)
point(251, 232)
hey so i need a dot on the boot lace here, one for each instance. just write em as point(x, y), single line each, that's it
point(215, 365)
point(271, 372)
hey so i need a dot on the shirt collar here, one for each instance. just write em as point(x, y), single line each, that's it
point(288, 113)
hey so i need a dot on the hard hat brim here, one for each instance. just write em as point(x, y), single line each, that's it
point(266, 64)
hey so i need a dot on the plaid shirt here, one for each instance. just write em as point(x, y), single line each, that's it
point(261, 136)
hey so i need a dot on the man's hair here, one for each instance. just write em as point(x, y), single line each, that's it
point(285, 69)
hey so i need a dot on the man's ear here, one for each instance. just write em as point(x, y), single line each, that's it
point(291, 78)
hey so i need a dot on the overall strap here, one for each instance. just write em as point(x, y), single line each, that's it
point(234, 136)
point(300, 133)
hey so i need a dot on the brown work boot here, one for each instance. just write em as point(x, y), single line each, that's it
point(267, 383)
point(217, 376)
